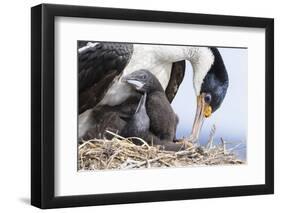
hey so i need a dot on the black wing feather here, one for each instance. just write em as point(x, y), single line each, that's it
point(177, 75)
point(97, 62)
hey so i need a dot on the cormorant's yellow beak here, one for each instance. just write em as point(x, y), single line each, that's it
point(207, 110)
point(204, 110)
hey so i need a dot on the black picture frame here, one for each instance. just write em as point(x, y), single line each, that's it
point(43, 117)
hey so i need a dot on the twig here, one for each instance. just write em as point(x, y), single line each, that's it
point(184, 152)
point(224, 146)
point(164, 162)
point(112, 157)
point(144, 162)
point(211, 137)
point(141, 140)
point(235, 147)
point(118, 136)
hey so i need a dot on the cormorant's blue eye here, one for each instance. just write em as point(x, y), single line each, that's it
point(208, 98)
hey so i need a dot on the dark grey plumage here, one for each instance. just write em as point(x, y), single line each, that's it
point(176, 78)
point(163, 120)
point(102, 118)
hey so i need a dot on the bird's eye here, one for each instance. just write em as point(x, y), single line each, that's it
point(208, 98)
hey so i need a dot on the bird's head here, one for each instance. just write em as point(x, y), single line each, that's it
point(212, 91)
point(143, 81)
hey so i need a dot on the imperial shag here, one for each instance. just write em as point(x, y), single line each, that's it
point(102, 66)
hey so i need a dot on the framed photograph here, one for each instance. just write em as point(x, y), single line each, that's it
point(140, 106)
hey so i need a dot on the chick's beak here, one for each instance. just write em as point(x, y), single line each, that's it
point(204, 110)
point(133, 81)
point(124, 79)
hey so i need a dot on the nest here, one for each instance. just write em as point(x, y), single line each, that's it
point(122, 153)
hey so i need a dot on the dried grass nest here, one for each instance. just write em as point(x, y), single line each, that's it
point(122, 153)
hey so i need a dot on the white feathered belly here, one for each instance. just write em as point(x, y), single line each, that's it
point(142, 58)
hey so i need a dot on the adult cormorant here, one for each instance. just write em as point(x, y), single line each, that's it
point(102, 64)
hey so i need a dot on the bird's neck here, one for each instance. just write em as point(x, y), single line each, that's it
point(201, 59)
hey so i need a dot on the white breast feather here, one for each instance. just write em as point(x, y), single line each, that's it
point(144, 57)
